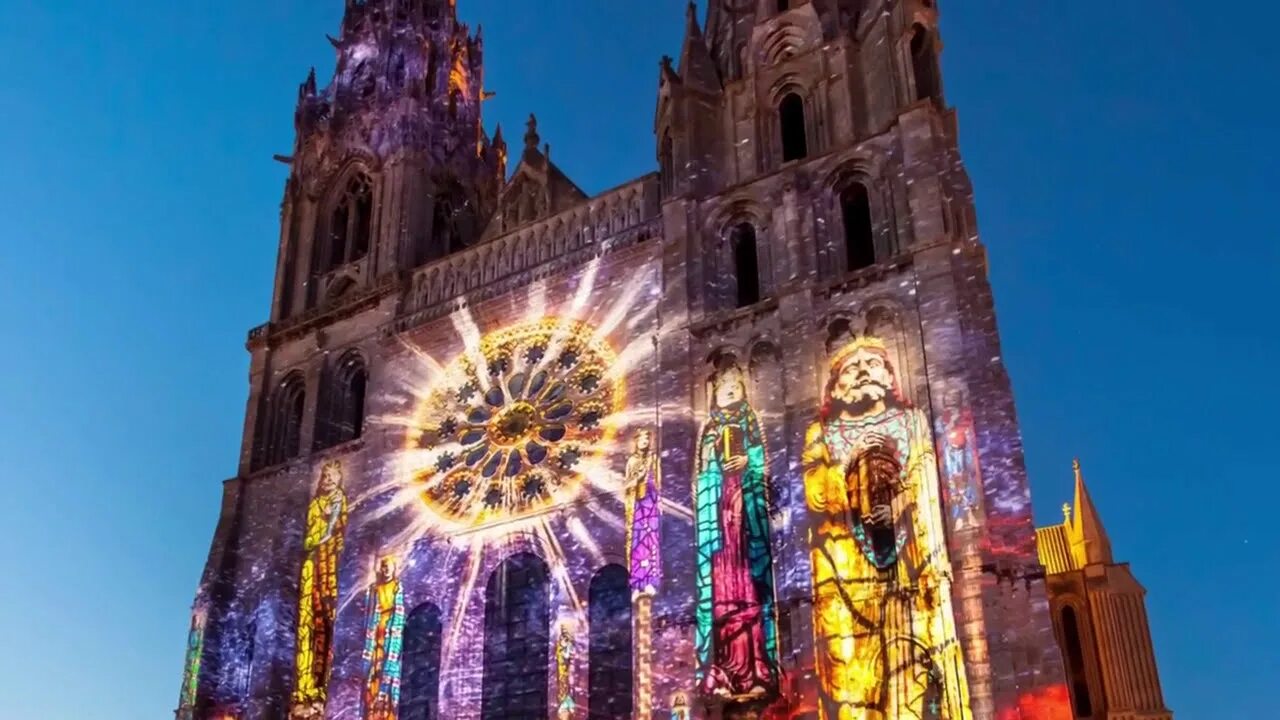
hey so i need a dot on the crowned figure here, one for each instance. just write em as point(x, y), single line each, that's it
point(318, 591)
point(885, 632)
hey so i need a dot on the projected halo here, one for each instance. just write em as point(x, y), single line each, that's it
point(515, 421)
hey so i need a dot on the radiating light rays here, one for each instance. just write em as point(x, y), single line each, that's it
point(597, 322)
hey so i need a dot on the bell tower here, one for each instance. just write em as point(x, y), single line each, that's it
point(391, 167)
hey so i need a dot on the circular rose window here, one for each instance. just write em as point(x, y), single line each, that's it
point(515, 421)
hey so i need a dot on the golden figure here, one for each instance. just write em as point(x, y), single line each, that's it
point(886, 637)
point(318, 587)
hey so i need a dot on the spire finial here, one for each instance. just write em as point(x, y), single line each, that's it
point(1089, 538)
point(531, 138)
point(1066, 513)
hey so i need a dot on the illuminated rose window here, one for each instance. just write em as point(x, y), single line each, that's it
point(513, 436)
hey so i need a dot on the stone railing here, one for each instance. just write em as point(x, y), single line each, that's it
point(615, 219)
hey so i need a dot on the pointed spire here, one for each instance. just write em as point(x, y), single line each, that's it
point(1089, 542)
point(696, 66)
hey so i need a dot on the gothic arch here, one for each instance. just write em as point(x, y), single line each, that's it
point(609, 648)
point(282, 424)
point(860, 230)
point(784, 42)
point(342, 401)
point(344, 227)
point(517, 634)
point(423, 643)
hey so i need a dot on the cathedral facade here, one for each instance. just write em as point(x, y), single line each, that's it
point(731, 440)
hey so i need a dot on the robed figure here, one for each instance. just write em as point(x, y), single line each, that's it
point(736, 630)
point(318, 588)
point(384, 636)
point(885, 632)
point(643, 515)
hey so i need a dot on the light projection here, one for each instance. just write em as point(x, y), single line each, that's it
point(643, 515)
point(318, 591)
point(516, 421)
point(735, 628)
point(885, 633)
point(384, 636)
point(961, 474)
point(191, 665)
point(565, 705)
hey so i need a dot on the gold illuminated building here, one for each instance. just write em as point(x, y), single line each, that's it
point(1100, 618)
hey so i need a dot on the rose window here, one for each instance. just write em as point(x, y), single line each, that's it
point(515, 422)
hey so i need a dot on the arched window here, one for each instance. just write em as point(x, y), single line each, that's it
point(284, 420)
point(420, 698)
point(666, 165)
point(924, 64)
point(859, 235)
point(609, 670)
point(1075, 663)
point(517, 630)
point(795, 144)
point(444, 228)
point(746, 264)
point(349, 224)
point(342, 404)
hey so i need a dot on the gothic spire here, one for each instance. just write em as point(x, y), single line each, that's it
point(1089, 542)
point(696, 66)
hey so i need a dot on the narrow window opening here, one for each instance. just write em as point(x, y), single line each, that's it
point(795, 144)
point(362, 198)
point(859, 235)
point(423, 635)
point(339, 225)
point(746, 263)
point(516, 641)
point(609, 669)
point(666, 165)
point(1075, 663)
point(924, 64)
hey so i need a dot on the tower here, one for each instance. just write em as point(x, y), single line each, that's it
point(1100, 618)
point(731, 440)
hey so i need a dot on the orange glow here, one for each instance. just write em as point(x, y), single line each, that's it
point(1049, 703)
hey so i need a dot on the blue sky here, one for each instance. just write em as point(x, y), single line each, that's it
point(1124, 160)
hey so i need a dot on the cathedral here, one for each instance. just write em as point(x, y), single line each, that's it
point(731, 441)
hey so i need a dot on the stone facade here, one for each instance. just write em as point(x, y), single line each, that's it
point(809, 197)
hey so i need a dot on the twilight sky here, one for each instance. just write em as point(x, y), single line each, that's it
point(1123, 156)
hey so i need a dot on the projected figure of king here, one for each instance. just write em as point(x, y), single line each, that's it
point(643, 515)
point(318, 590)
point(384, 633)
point(736, 632)
point(886, 638)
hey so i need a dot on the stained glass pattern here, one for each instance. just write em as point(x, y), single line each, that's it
point(384, 634)
point(885, 633)
point(318, 587)
point(517, 422)
point(643, 515)
point(735, 625)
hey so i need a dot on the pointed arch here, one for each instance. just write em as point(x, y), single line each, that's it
point(609, 655)
point(345, 229)
point(283, 422)
point(342, 412)
point(517, 630)
point(746, 263)
point(859, 232)
point(791, 120)
point(1073, 650)
point(423, 642)
point(924, 64)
